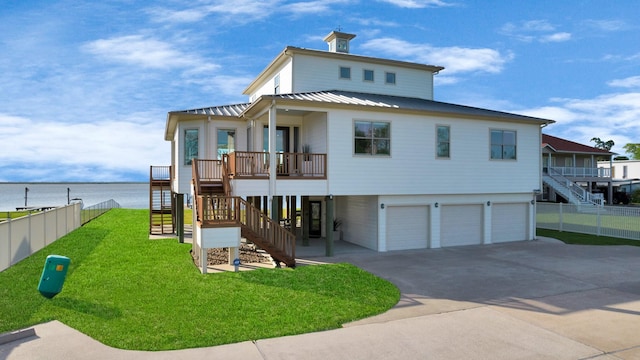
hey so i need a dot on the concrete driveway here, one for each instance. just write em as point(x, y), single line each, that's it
point(531, 300)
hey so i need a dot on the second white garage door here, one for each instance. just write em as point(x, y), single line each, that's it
point(509, 222)
point(407, 227)
point(461, 225)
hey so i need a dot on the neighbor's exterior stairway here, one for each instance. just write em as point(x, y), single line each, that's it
point(571, 191)
point(215, 207)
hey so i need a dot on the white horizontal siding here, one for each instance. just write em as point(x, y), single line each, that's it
point(413, 167)
point(359, 220)
point(315, 74)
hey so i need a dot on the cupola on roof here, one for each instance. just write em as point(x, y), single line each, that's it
point(338, 41)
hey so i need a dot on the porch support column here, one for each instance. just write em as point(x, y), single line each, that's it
point(293, 212)
point(272, 157)
point(329, 226)
point(305, 221)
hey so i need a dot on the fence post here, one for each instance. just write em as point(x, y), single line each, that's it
point(599, 221)
point(560, 213)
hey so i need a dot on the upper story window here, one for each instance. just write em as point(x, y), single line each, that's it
point(190, 145)
point(276, 84)
point(372, 138)
point(367, 75)
point(443, 141)
point(503, 145)
point(226, 142)
point(389, 78)
point(345, 72)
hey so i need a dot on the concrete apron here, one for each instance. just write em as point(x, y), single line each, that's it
point(530, 300)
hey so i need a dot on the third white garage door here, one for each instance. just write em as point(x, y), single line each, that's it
point(509, 222)
point(461, 225)
point(407, 227)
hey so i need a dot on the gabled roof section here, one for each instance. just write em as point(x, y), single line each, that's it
point(290, 51)
point(232, 111)
point(560, 145)
point(391, 103)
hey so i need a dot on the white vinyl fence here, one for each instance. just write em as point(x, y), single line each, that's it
point(23, 236)
point(616, 221)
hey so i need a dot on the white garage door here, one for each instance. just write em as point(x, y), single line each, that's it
point(407, 227)
point(509, 222)
point(461, 225)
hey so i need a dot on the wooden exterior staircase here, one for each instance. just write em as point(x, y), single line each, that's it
point(161, 201)
point(215, 207)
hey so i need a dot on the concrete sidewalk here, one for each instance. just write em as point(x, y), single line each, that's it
point(529, 300)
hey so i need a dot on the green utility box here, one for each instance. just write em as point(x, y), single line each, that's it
point(53, 275)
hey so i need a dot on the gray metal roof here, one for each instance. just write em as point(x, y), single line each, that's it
point(223, 110)
point(365, 99)
point(399, 102)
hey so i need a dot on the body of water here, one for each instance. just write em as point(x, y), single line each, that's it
point(128, 195)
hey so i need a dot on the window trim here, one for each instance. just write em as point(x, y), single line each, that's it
point(386, 77)
point(364, 77)
point(502, 158)
point(340, 72)
point(370, 154)
point(437, 142)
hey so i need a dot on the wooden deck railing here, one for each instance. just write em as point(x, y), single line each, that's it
point(221, 211)
point(255, 165)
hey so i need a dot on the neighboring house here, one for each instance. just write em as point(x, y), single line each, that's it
point(572, 171)
point(359, 139)
point(625, 173)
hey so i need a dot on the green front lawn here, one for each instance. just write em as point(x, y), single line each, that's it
point(585, 239)
point(133, 293)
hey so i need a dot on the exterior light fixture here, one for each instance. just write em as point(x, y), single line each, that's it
point(381, 206)
point(436, 204)
point(488, 203)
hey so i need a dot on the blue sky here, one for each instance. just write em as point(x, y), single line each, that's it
point(85, 87)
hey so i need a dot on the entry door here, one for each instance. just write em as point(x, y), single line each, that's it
point(282, 146)
point(315, 221)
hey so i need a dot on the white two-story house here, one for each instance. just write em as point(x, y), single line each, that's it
point(359, 139)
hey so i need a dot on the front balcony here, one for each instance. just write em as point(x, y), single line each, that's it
point(580, 172)
point(255, 165)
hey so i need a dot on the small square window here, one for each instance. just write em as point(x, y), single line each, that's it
point(390, 78)
point(345, 72)
point(367, 75)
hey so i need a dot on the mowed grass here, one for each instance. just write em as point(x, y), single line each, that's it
point(585, 239)
point(130, 292)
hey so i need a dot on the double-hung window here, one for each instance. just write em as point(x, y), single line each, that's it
point(443, 141)
point(190, 145)
point(372, 138)
point(503, 145)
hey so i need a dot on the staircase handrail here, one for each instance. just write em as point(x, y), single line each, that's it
point(221, 211)
point(575, 190)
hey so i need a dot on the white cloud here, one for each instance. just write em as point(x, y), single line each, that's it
point(146, 52)
point(557, 37)
point(630, 82)
point(417, 4)
point(607, 25)
point(110, 148)
point(534, 30)
point(609, 116)
point(455, 59)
